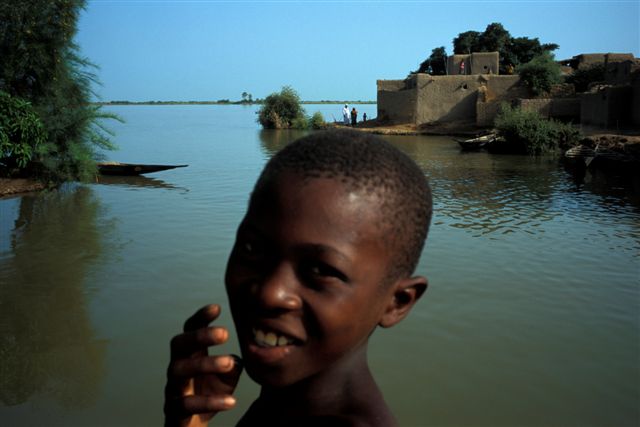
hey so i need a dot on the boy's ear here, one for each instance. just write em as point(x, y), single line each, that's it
point(404, 294)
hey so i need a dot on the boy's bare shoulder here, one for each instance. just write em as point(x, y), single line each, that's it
point(374, 413)
point(324, 421)
point(351, 421)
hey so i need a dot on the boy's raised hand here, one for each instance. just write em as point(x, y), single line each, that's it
point(199, 385)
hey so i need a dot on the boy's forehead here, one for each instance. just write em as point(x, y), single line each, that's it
point(290, 185)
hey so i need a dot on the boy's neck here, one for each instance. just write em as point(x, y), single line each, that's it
point(326, 388)
point(345, 391)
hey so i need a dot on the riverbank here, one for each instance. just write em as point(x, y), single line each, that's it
point(459, 128)
point(624, 140)
point(14, 186)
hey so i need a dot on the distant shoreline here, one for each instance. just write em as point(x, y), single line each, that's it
point(219, 102)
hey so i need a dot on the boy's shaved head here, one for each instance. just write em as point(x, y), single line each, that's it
point(366, 163)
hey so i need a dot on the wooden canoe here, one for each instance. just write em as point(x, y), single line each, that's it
point(129, 169)
point(475, 143)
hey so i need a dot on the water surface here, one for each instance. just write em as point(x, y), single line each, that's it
point(532, 317)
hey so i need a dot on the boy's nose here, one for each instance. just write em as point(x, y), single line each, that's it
point(277, 291)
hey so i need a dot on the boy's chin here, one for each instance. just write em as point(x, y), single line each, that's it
point(269, 376)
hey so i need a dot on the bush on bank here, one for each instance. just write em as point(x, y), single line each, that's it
point(526, 132)
point(283, 110)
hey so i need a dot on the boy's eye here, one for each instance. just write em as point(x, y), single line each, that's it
point(320, 270)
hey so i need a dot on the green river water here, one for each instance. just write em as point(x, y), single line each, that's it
point(532, 317)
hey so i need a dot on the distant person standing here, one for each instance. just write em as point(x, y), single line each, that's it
point(345, 115)
point(354, 116)
point(364, 117)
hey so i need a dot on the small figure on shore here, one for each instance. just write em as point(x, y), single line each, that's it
point(354, 116)
point(510, 69)
point(345, 115)
point(364, 117)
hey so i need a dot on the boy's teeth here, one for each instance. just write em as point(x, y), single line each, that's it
point(270, 339)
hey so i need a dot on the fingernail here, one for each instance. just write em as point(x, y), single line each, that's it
point(227, 362)
point(220, 334)
point(229, 401)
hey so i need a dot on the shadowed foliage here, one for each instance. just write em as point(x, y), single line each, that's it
point(43, 66)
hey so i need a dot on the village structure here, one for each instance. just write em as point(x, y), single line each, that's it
point(472, 91)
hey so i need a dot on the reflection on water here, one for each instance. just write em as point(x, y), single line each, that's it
point(47, 344)
point(274, 140)
point(531, 317)
point(136, 181)
point(487, 194)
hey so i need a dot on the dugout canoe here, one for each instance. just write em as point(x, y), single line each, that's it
point(132, 169)
point(475, 143)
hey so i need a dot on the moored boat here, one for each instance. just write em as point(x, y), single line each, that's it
point(117, 168)
point(580, 154)
point(475, 143)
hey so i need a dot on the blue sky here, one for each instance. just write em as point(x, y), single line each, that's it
point(209, 50)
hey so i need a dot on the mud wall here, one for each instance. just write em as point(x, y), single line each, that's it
point(396, 101)
point(496, 90)
point(475, 63)
point(453, 65)
point(635, 104)
point(485, 63)
point(446, 98)
point(608, 108)
point(566, 109)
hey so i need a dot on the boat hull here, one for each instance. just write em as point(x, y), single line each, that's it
point(132, 169)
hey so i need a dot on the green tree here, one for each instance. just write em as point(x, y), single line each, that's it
point(494, 38)
point(244, 96)
point(582, 78)
point(521, 50)
point(466, 43)
point(281, 110)
point(436, 63)
point(541, 73)
point(22, 134)
point(513, 51)
point(42, 65)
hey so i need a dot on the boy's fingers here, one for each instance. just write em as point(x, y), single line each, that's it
point(202, 317)
point(188, 343)
point(188, 368)
point(190, 376)
point(184, 407)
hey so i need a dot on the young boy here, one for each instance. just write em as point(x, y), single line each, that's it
point(325, 254)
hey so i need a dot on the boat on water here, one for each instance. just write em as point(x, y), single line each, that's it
point(580, 155)
point(475, 143)
point(132, 169)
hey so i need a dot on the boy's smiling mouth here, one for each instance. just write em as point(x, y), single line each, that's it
point(271, 339)
point(269, 345)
